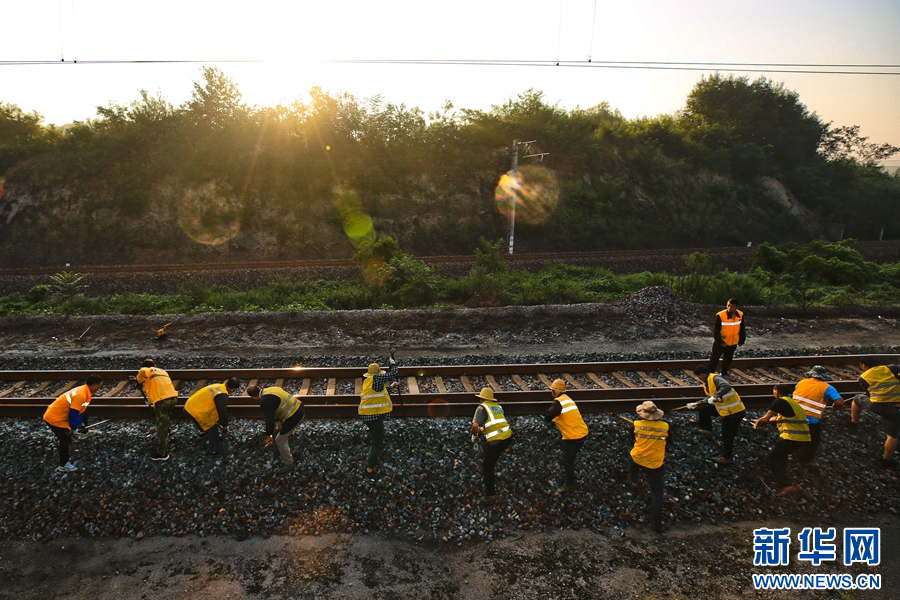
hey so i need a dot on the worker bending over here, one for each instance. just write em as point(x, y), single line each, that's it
point(283, 411)
point(160, 393)
point(209, 409)
point(724, 401)
point(881, 395)
point(65, 415)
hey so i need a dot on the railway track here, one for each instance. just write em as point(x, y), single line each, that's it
point(432, 260)
point(436, 391)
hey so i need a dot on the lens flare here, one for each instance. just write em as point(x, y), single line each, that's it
point(358, 225)
point(209, 214)
point(535, 191)
point(438, 408)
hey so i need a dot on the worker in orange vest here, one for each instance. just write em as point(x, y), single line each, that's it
point(66, 414)
point(565, 414)
point(729, 332)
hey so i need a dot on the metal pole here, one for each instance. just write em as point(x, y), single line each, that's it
point(513, 195)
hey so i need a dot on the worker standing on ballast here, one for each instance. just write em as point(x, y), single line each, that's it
point(490, 421)
point(729, 332)
point(724, 401)
point(374, 407)
point(283, 411)
point(651, 435)
point(65, 415)
point(793, 434)
point(160, 393)
point(209, 409)
point(565, 414)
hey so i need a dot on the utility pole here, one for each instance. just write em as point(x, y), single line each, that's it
point(514, 185)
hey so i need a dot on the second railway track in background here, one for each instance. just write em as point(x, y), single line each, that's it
point(437, 391)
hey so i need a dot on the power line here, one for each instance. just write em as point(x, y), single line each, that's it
point(807, 68)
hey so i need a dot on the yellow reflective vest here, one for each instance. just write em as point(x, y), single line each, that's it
point(731, 327)
point(372, 402)
point(796, 427)
point(650, 443)
point(157, 384)
point(288, 403)
point(883, 386)
point(569, 421)
point(810, 394)
point(202, 405)
point(728, 404)
point(495, 427)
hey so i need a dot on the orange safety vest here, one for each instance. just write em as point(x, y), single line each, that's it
point(372, 402)
point(157, 384)
point(731, 327)
point(569, 421)
point(810, 394)
point(730, 402)
point(57, 414)
point(650, 443)
point(883, 386)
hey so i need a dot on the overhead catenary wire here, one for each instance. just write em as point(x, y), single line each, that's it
point(806, 68)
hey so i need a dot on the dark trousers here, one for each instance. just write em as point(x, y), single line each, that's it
point(65, 441)
point(570, 450)
point(657, 479)
point(376, 430)
point(726, 353)
point(162, 410)
point(730, 426)
point(778, 456)
point(809, 448)
point(492, 454)
point(212, 435)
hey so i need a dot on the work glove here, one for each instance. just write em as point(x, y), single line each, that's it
point(224, 430)
point(711, 400)
point(269, 441)
point(692, 405)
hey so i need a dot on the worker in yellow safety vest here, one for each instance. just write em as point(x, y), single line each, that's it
point(793, 434)
point(729, 332)
point(160, 393)
point(648, 455)
point(374, 407)
point(490, 421)
point(209, 409)
point(565, 414)
point(881, 395)
point(65, 415)
point(283, 411)
point(724, 401)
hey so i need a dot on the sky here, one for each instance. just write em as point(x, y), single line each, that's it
point(298, 42)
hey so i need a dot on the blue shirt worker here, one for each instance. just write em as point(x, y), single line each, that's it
point(283, 411)
point(374, 407)
point(815, 393)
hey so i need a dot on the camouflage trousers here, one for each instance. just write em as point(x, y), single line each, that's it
point(163, 410)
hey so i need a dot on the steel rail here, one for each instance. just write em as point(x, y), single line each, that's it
point(606, 398)
point(432, 260)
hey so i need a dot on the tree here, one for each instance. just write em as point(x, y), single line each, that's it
point(845, 142)
point(760, 112)
point(22, 135)
point(217, 101)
